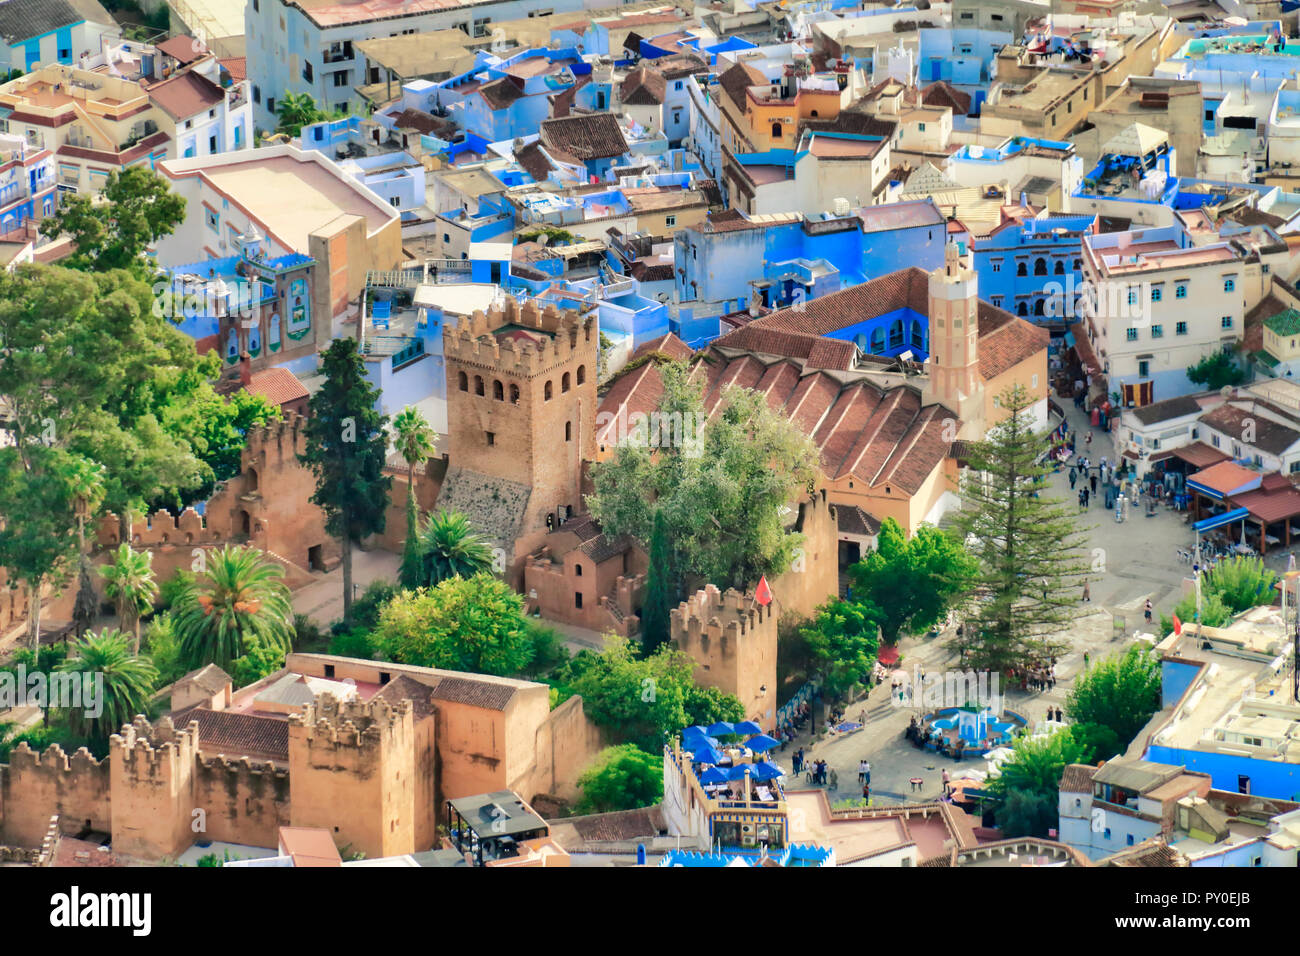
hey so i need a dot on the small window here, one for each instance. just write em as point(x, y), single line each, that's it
point(307, 72)
point(1225, 322)
point(478, 384)
point(1132, 297)
point(1180, 291)
point(582, 374)
point(464, 382)
point(491, 437)
point(577, 570)
point(1144, 369)
point(514, 394)
point(1129, 839)
point(547, 391)
point(577, 599)
point(1157, 331)
point(1180, 328)
point(564, 382)
point(670, 220)
point(329, 670)
point(1131, 334)
point(568, 431)
point(1156, 293)
point(1229, 285)
point(498, 391)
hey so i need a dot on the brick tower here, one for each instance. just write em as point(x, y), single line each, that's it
point(955, 381)
point(733, 641)
point(352, 771)
point(152, 784)
point(521, 411)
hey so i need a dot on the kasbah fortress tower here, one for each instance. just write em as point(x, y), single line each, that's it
point(521, 408)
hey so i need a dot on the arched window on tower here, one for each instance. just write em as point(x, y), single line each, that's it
point(514, 394)
point(478, 384)
point(564, 382)
point(498, 390)
point(568, 431)
point(1040, 267)
point(464, 382)
point(582, 374)
point(546, 392)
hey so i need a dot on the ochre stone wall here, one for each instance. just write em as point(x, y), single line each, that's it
point(733, 641)
point(34, 787)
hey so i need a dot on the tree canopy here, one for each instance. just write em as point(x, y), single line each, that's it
point(723, 488)
point(843, 641)
point(135, 209)
point(472, 624)
point(1120, 692)
point(621, 778)
point(346, 449)
point(913, 582)
point(1026, 542)
point(644, 699)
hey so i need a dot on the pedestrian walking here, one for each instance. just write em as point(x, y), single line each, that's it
point(1088, 440)
point(1086, 497)
point(867, 778)
point(866, 793)
point(1092, 483)
point(947, 782)
point(1087, 592)
point(862, 771)
point(1147, 610)
point(1074, 476)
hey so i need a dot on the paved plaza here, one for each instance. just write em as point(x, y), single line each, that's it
point(1136, 560)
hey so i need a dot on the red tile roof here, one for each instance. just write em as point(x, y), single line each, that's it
point(584, 137)
point(183, 49)
point(276, 385)
point(237, 67)
point(186, 94)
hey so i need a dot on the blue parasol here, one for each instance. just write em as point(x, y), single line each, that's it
point(703, 753)
point(721, 727)
point(748, 727)
point(761, 743)
point(766, 771)
point(714, 775)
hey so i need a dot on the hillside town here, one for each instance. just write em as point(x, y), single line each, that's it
point(546, 433)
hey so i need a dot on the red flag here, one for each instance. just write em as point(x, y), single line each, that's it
point(763, 594)
point(1178, 625)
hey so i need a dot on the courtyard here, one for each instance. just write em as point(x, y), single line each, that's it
point(1133, 561)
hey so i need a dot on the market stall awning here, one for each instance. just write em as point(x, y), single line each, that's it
point(1218, 521)
point(1199, 454)
point(1224, 480)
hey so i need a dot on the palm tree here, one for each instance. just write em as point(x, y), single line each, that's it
point(296, 110)
point(86, 482)
point(128, 680)
point(242, 597)
point(450, 548)
point(415, 442)
point(129, 583)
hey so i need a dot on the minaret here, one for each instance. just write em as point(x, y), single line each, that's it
point(954, 378)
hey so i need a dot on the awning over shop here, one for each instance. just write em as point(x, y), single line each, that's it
point(1224, 480)
point(1198, 454)
point(1218, 521)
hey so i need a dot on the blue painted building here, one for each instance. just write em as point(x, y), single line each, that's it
point(728, 266)
point(1023, 265)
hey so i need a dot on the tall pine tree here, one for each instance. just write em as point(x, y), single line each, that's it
point(658, 589)
point(346, 449)
point(1027, 544)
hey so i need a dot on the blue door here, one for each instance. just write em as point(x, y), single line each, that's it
point(936, 69)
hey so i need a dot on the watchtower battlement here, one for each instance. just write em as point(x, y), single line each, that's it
point(549, 337)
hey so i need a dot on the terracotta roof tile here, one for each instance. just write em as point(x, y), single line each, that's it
point(237, 734)
point(1077, 778)
point(276, 385)
point(584, 137)
point(186, 94)
point(489, 695)
point(644, 87)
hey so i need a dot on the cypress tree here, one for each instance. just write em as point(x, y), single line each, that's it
point(654, 613)
point(346, 450)
point(1028, 545)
